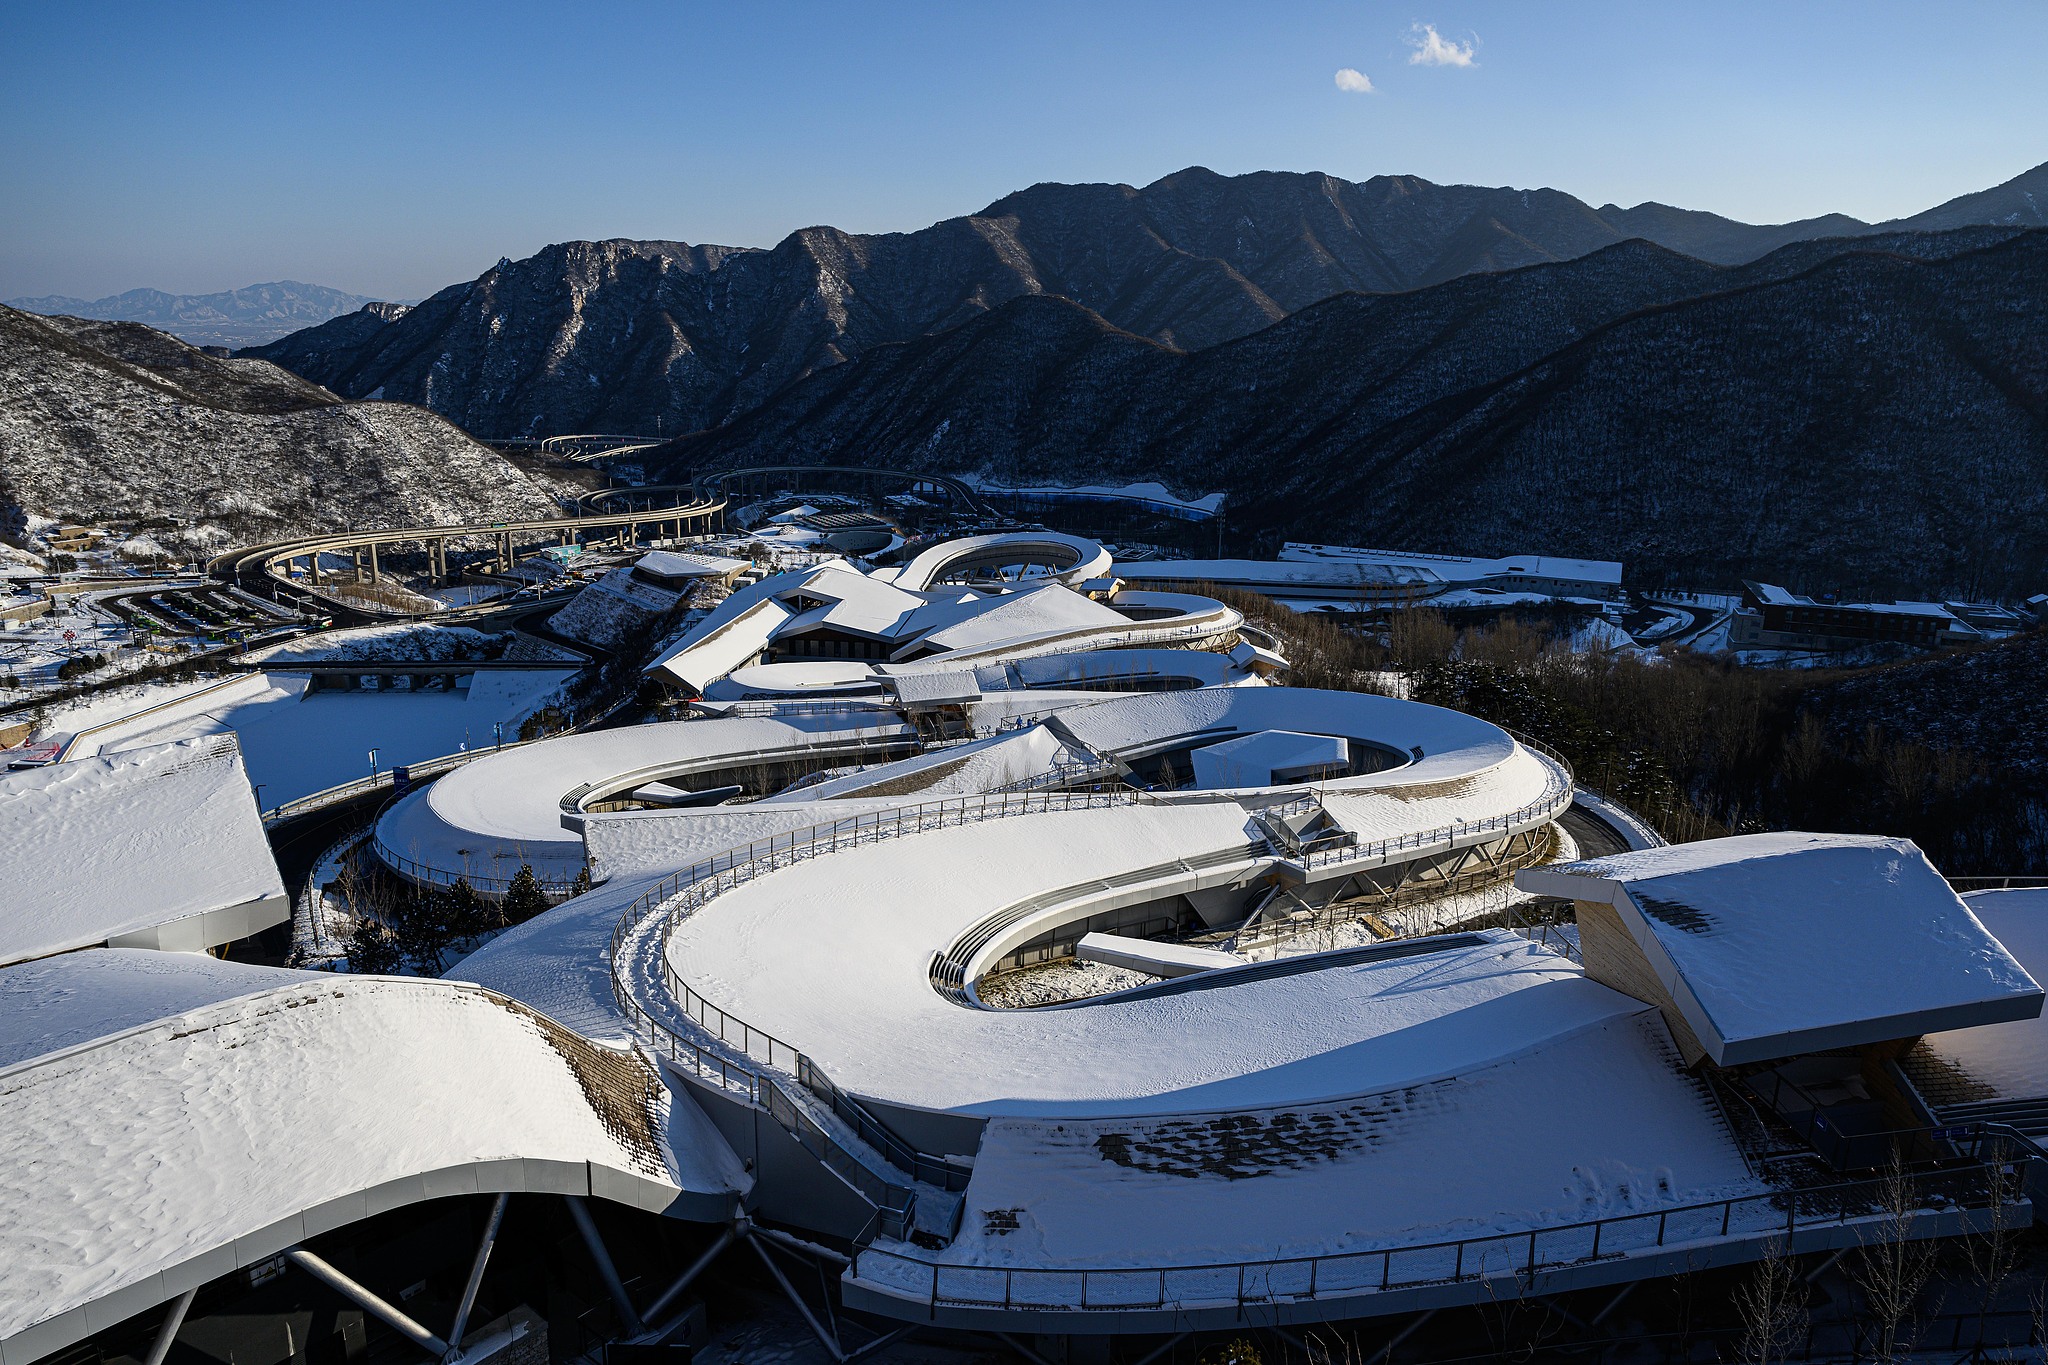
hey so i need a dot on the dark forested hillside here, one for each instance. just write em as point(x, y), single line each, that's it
point(666, 336)
point(1869, 413)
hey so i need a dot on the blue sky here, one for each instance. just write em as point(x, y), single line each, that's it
point(390, 149)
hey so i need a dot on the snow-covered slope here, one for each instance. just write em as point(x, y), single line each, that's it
point(102, 421)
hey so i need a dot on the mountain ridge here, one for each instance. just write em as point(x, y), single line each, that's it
point(114, 421)
point(249, 316)
point(1403, 418)
point(655, 336)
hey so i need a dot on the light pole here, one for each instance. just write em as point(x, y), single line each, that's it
point(497, 734)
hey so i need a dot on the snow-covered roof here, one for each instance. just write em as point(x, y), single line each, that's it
point(1336, 567)
point(983, 621)
point(1466, 568)
point(158, 847)
point(229, 1113)
point(1069, 559)
point(724, 641)
point(497, 812)
point(801, 677)
point(676, 564)
point(1770, 595)
point(981, 766)
point(801, 950)
point(931, 688)
point(2010, 1058)
point(850, 601)
point(1260, 759)
point(1777, 944)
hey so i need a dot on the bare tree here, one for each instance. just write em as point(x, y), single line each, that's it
point(1771, 1305)
point(1891, 1266)
point(1994, 1253)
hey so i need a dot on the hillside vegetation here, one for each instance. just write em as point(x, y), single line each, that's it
point(669, 337)
point(116, 422)
point(1868, 414)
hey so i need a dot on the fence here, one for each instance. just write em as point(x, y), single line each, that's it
point(1556, 797)
point(1242, 1284)
point(683, 893)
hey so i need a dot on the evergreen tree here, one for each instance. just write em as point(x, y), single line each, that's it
point(523, 898)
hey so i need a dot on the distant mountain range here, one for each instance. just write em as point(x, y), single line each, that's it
point(645, 336)
point(1867, 413)
point(114, 421)
point(237, 317)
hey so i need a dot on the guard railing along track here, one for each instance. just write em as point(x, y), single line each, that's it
point(683, 893)
point(1261, 1284)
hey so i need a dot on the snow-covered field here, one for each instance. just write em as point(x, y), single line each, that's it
point(296, 742)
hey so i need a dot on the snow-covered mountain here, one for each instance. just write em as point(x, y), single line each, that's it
point(627, 336)
point(1862, 413)
point(104, 421)
point(234, 317)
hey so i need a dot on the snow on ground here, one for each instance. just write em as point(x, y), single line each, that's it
point(556, 961)
point(800, 951)
point(115, 845)
point(2011, 1058)
point(1497, 1148)
point(614, 608)
point(1055, 983)
point(167, 1142)
point(1156, 494)
point(296, 741)
point(413, 642)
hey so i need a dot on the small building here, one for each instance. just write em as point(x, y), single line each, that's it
point(1775, 618)
point(23, 608)
point(1271, 758)
point(1377, 579)
point(676, 571)
point(1801, 966)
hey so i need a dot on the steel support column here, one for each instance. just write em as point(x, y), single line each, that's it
point(683, 1281)
point(826, 1339)
point(476, 1269)
point(168, 1333)
point(580, 1211)
point(362, 1298)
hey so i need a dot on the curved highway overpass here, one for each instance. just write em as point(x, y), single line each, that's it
point(269, 569)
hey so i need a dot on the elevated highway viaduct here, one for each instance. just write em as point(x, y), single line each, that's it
point(269, 570)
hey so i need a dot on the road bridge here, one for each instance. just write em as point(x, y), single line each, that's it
point(269, 569)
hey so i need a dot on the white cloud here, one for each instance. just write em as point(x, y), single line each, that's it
point(1433, 49)
point(1353, 81)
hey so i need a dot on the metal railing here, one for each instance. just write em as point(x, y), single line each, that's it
point(1555, 798)
point(2019, 883)
point(420, 874)
point(683, 893)
point(1240, 1285)
point(1065, 775)
point(348, 791)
